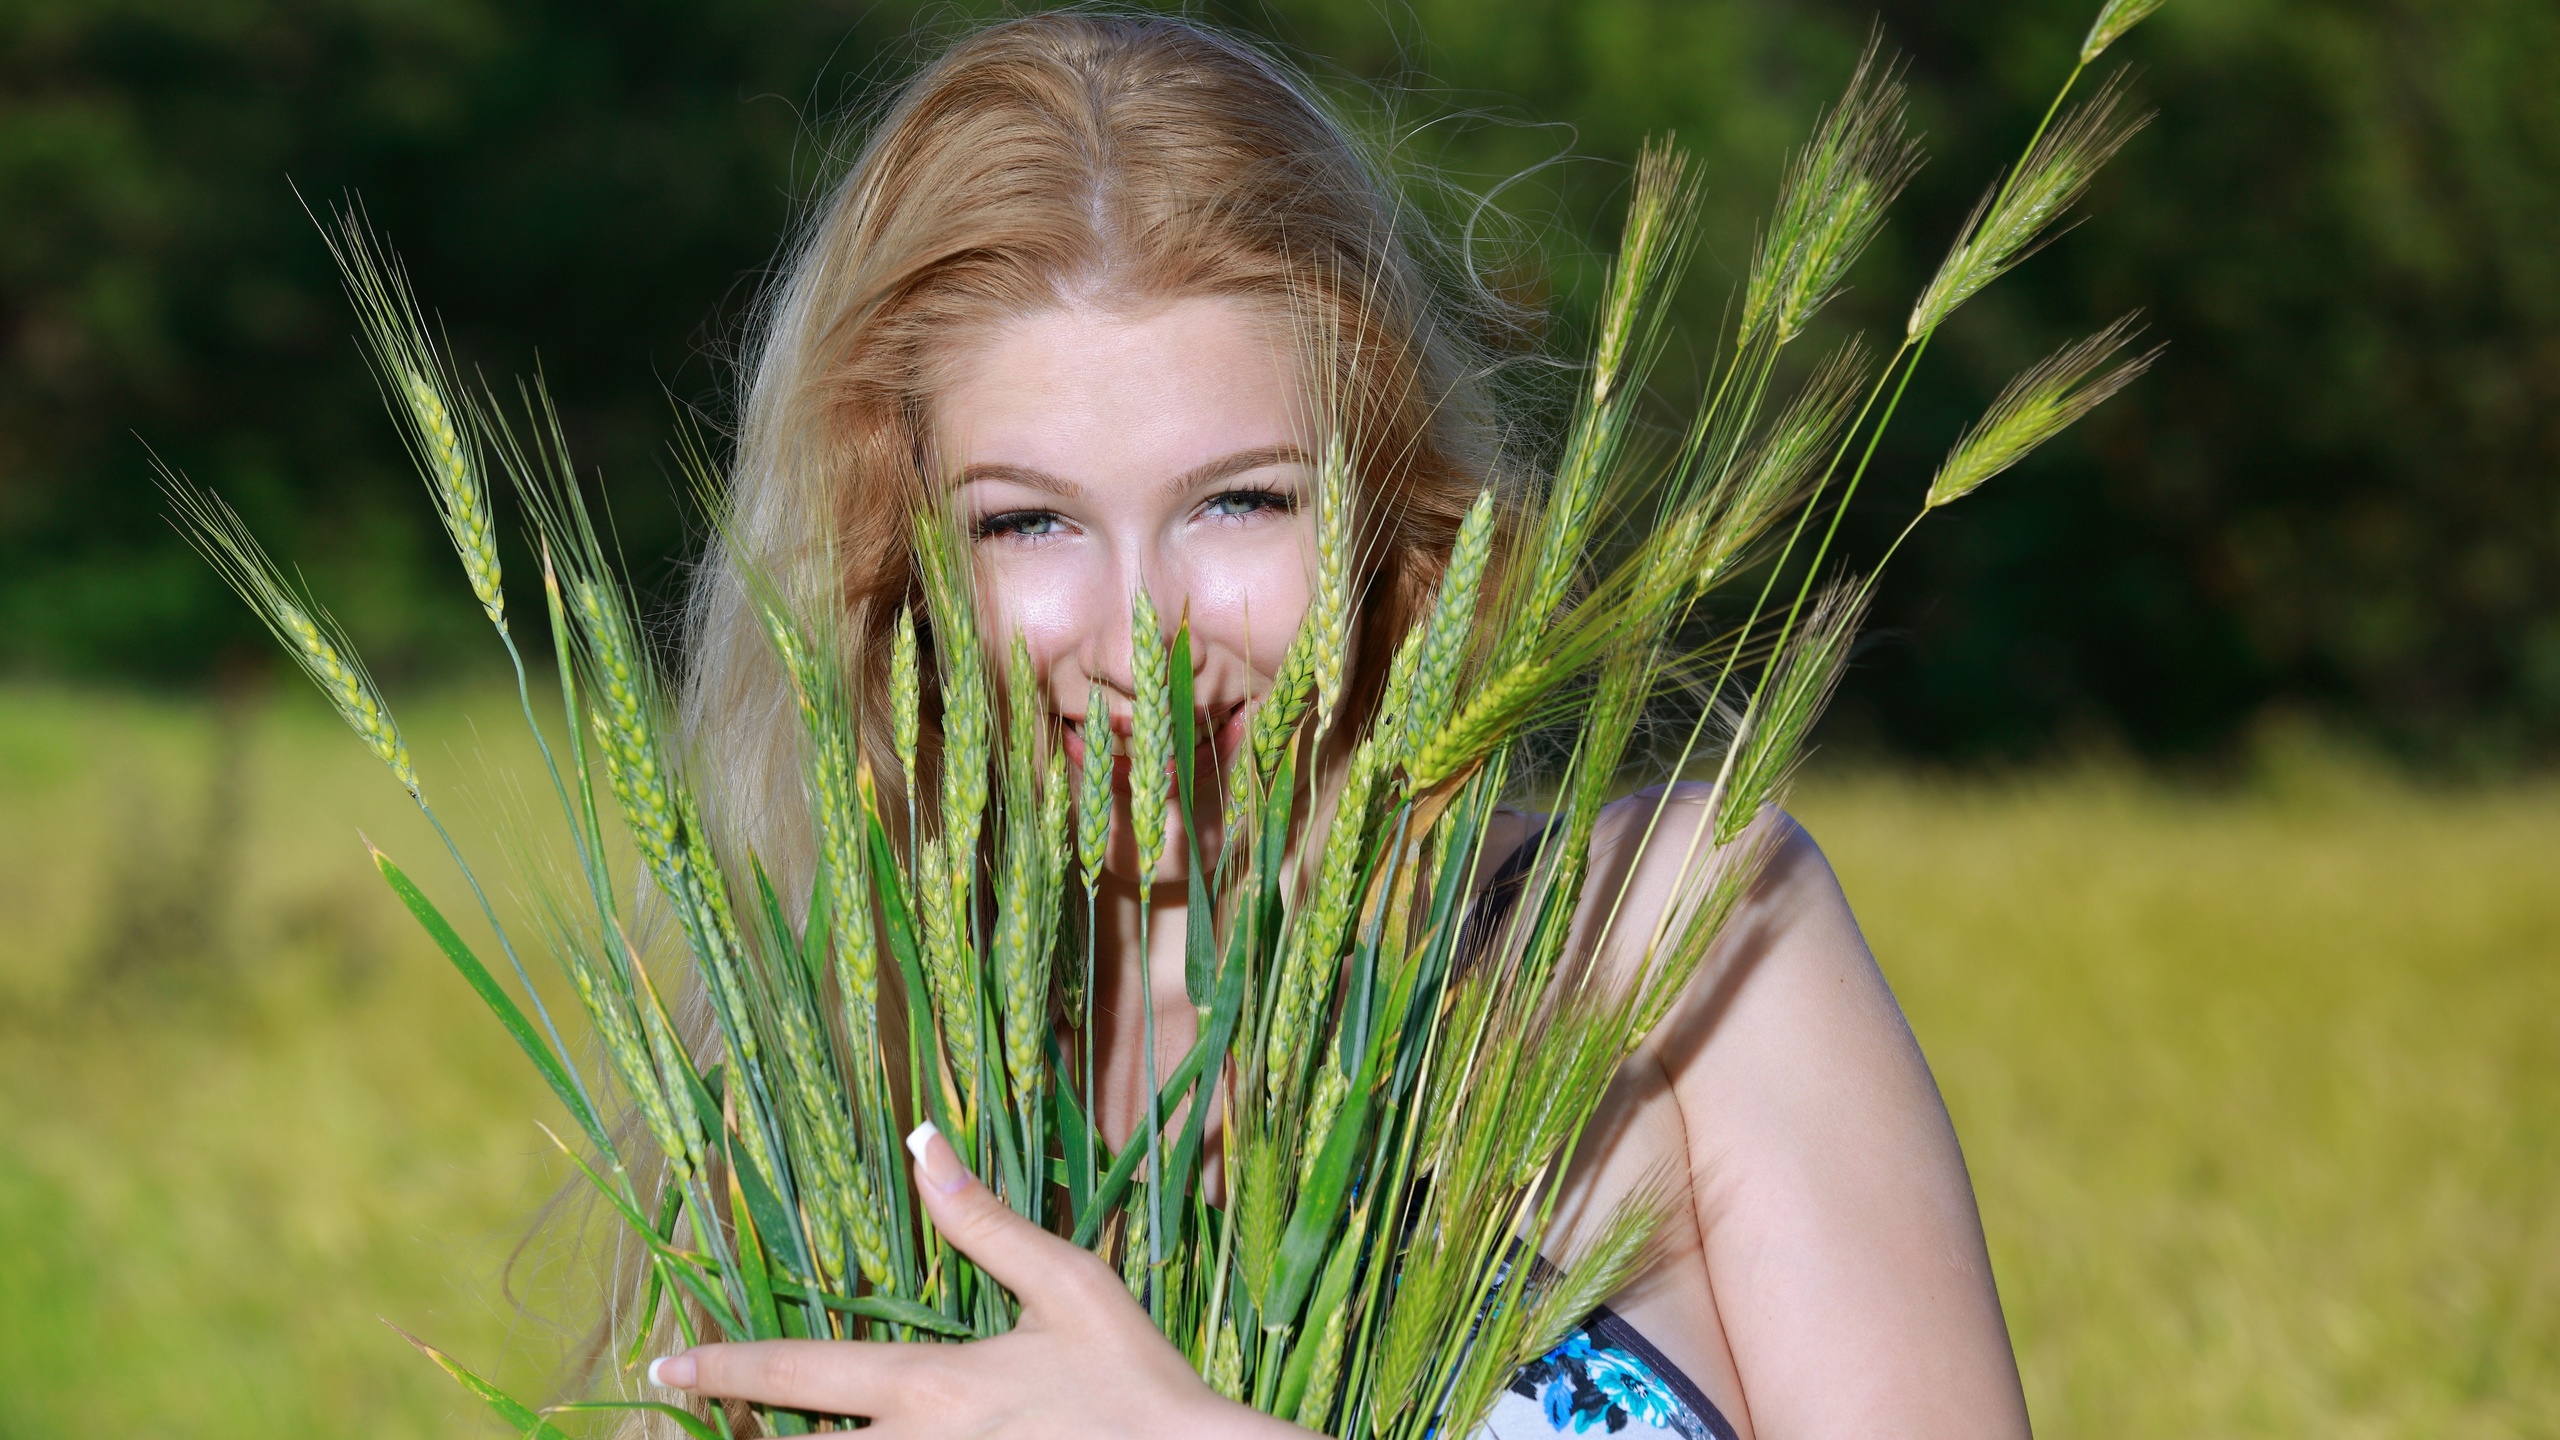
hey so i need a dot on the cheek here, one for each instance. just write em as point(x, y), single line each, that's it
point(1249, 599)
point(1044, 599)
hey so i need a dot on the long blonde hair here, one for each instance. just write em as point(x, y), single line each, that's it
point(1111, 159)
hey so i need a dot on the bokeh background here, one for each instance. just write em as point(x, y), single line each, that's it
point(2194, 785)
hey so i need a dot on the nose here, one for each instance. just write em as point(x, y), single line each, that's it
point(1108, 654)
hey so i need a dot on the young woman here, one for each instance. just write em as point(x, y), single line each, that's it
point(1071, 277)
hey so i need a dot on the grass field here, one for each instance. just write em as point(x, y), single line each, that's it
point(2261, 1092)
point(244, 1108)
point(2260, 1086)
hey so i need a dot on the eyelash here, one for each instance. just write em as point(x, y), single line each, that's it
point(1262, 500)
point(1018, 523)
point(1013, 523)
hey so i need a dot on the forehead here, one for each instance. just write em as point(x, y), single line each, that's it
point(1089, 392)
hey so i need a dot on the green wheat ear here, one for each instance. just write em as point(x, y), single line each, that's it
point(307, 633)
point(1023, 893)
point(1315, 941)
point(1330, 621)
point(437, 420)
point(1661, 227)
point(1783, 712)
point(1151, 729)
point(1093, 789)
point(906, 695)
point(1774, 476)
point(2037, 406)
point(1652, 253)
point(1317, 655)
point(2118, 17)
point(968, 713)
point(1832, 202)
point(2012, 221)
point(1452, 622)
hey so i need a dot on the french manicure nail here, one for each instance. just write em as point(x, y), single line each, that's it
point(939, 1164)
point(673, 1372)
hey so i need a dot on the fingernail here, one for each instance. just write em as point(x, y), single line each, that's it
point(674, 1372)
point(936, 1160)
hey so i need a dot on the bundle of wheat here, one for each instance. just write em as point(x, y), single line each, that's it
point(1396, 1121)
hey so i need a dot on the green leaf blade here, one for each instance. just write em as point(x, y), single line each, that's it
point(555, 1071)
point(527, 1421)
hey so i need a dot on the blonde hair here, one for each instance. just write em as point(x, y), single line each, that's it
point(1055, 158)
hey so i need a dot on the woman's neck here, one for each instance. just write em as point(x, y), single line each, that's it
point(1124, 982)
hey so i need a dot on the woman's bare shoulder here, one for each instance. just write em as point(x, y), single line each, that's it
point(1788, 974)
point(1833, 1205)
point(1787, 962)
point(1655, 859)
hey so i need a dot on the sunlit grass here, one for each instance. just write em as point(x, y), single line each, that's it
point(2261, 1088)
point(2261, 1092)
point(244, 1110)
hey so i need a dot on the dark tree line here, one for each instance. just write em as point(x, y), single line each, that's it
point(2340, 492)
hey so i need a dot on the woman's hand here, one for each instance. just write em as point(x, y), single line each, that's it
point(1084, 1360)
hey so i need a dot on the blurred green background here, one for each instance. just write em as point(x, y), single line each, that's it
point(2337, 495)
point(2187, 785)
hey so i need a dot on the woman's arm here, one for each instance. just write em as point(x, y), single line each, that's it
point(1841, 1240)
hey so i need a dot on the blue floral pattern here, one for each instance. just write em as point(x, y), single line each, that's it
point(1603, 1380)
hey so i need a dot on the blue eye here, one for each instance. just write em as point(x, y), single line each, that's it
point(1237, 504)
point(1020, 524)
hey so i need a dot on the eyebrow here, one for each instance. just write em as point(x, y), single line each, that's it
point(1191, 479)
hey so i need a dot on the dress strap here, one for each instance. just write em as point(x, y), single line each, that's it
point(1500, 894)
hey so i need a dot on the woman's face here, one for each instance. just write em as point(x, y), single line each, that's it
point(1098, 451)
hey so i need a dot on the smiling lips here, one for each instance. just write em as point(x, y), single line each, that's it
point(1220, 730)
